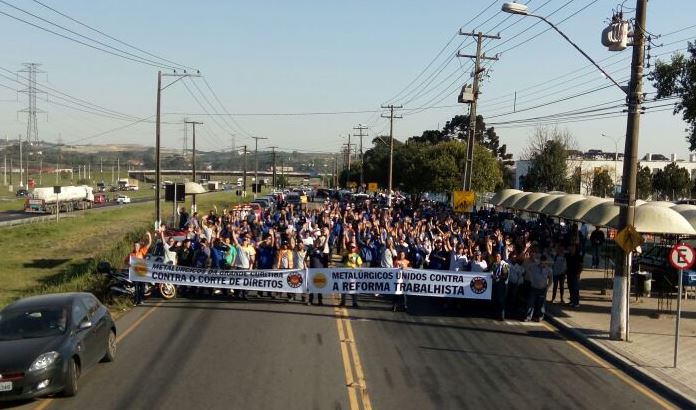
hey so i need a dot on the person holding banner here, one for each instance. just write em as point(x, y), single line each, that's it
point(139, 252)
point(500, 271)
point(354, 261)
point(315, 260)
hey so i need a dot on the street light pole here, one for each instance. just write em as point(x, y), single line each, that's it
point(158, 172)
point(619, 326)
point(616, 153)
point(521, 9)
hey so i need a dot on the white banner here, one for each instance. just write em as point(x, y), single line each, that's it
point(394, 281)
point(286, 280)
point(401, 282)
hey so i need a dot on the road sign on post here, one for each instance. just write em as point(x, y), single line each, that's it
point(463, 201)
point(681, 257)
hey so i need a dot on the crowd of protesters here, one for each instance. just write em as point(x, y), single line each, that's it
point(523, 258)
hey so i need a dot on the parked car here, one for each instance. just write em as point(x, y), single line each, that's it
point(22, 193)
point(264, 202)
point(664, 275)
point(123, 199)
point(48, 341)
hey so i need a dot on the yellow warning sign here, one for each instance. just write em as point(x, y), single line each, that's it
point(463, 201)
point(629, 239)
point(372, 186)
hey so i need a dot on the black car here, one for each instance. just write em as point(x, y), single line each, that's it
point(22, 193)
point(47, 341)
point(655, 259)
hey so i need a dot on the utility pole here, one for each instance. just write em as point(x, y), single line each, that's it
point(469, 163)
point(21, 170)
point(273, 148)
point(4, 167)
point(391, 117)
point(335, 175)
point(256, 163)
point(193, 159)
point(360, 128)
point(244, 174)
point(619, 327)
point(348, 153)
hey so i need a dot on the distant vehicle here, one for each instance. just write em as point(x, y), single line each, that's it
point(127, 184)
point(22, 193)
point(293, 198)
point(100, 198)
point(45, 200)
point(213, 185)
point(101, 187)
point(123, 199)
point(264, 202)
point(48, 341)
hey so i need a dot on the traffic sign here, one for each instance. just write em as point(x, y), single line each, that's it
point(682, 256)
point(463, 201)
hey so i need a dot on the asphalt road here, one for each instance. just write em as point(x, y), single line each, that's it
point(262, 354)
point(14, 215)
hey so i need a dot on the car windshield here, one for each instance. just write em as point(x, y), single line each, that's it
point(33, 323)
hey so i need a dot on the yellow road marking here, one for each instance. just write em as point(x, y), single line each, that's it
point(43, 404)
point(362, 384)
point(352, 397)
point(138, 322)
point(616, 372)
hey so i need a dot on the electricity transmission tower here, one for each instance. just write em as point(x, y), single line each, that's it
point(31, 69)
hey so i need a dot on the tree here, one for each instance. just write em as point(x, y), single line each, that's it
point(548, 155)
point(586, 182)
point(678, 78)
point(487, 175)
point(644, 186)
point(602, 184)
point(573, 185)
point(672, 182)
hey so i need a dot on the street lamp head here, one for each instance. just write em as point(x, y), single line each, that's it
point(515, 8)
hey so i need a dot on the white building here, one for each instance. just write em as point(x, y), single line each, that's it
point(589, 163)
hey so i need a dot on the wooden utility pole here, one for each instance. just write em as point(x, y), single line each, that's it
point(244, 172)
point(273, 150)
point(391, 117)
point(193, 159)
point(360, 128)
point(469, 163)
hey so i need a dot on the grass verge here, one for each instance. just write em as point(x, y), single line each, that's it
point(61, 256)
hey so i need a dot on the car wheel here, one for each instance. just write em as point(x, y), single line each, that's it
point(71, 379)
point(110, 354)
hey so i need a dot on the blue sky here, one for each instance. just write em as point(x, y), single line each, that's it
point(310, 56)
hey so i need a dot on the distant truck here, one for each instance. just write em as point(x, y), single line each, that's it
point(70, 198)
point(214, 185)
point(127, 184)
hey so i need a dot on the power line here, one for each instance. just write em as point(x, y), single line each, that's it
point(137, 60)
point(111, 37)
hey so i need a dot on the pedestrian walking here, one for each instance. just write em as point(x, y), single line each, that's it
point(540, 277)
point(573, 271)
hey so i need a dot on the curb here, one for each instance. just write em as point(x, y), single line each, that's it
point(676, 396)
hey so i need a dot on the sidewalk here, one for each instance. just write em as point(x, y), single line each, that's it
point(650, 350)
